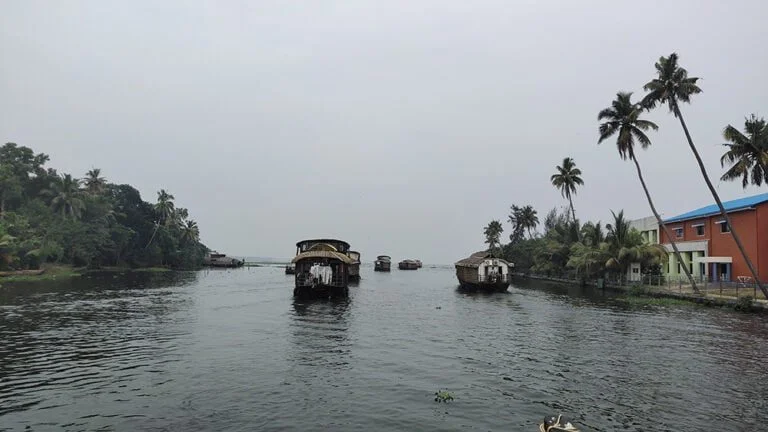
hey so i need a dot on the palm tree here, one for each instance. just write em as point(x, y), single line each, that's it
point(180, 216)
point(530, 219)
point(747, 152)
point(522, 219)
point(165, 207)
point(671, 85)
point(94, 183)
point(66, 196)
point(626, 245)
point(567, 178)
point(592, 234)
point(493, 234)
point(623, 117)
point(190, 232)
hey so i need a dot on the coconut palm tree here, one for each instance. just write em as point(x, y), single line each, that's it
point(165, 207)
point(626, 245)
point(65, 196)
point(530, 219)
point(747, 152)
point(190, 232)
point(592, 234)
point(623, 118)
point(672, 85)
point(94, 183)
point(493, 234)
point(567, 178)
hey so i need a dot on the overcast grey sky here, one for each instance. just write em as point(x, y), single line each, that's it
point(402, 127)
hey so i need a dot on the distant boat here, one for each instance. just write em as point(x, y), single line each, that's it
point(290, 269)
point(354, 268)
point(322, 267)
point(382, 263)
point(408, 265)
point(215, 259)
point(481, 271)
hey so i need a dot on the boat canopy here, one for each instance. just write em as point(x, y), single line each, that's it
point(322, 244)
point(314, 254)
point(478, 258)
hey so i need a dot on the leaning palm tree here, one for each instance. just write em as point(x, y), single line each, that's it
point(94, 183)
point(165, 207)
point(671, 85)
point(493, 234)
point(65, 196)
point(623, 117)
point(747, 152)
point(567, 178)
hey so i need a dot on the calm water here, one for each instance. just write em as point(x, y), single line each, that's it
point(232, 350)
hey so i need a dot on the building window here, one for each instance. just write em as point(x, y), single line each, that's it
point(699, 230)
point(679, 232)
point(724, 228)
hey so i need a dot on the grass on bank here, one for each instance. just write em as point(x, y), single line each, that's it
point(50, 273)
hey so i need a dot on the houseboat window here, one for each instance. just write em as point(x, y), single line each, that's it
point(679, 232)
point(700, 230)
point(724, 228)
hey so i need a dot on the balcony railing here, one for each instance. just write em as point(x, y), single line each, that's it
point(306, 280)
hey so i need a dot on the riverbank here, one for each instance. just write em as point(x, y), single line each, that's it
point(59, 272)
point(664, 295)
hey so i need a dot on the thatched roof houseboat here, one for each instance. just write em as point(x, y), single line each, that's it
point(408, 264)
point(354, 268)
point(322, 267)
point(484, 272)
point(215, 259)
point(382, 263)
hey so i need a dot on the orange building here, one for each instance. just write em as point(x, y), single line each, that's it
point(707, 246)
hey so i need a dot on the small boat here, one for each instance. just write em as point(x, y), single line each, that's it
point(418, 263)
point(557, 424)
point(408, 265)
point(354, 268)
point(215, 259)
point(322, 268)
point(290, 269)
point(482, 271)
point(382, 263)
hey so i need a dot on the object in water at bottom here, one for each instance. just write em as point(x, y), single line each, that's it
point(557, 424)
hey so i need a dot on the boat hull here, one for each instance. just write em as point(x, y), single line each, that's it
point(382, 268)
point(499, 286)
point(354, 272)
point(321, 291)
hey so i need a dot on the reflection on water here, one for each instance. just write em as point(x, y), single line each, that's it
point(233, 350)
point(319, 330)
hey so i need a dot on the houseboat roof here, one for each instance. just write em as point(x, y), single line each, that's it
point(477, 258)
point(323, 254)
point(384, 257)
point(323, 241)
point(730, 206)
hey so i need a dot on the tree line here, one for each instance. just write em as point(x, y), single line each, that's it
point(585, 249)
point(52, 218)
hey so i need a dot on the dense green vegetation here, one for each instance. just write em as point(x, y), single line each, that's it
point(571, 250)
point(52, 218)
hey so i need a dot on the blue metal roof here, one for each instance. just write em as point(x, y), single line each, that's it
point(730, 206)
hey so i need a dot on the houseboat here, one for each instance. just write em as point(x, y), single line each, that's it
point(481, 271)
point(322, 268)
point(382, 263)
point(290, 269)
point(215, 259)
point(354, 268)
point(408, 265)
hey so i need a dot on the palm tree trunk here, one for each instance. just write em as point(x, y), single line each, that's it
point(664, 227)
point(717, 199)
point(570, 200)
